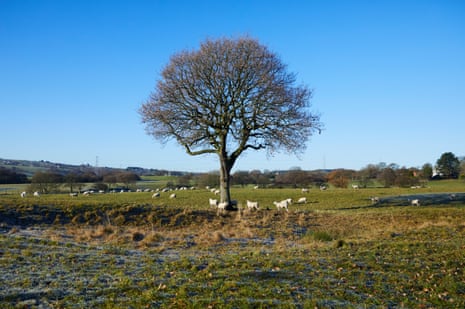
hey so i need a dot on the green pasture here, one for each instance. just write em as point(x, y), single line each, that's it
point(331, 199)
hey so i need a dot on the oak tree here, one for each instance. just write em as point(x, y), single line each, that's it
point(229, 96)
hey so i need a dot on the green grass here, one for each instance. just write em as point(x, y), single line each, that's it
point(337, 251)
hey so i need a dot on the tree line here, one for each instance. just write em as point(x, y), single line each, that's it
point(448, 166)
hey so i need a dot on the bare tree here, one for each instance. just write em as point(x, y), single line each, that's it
point(229, 96)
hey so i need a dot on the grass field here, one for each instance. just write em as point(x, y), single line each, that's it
point(336, 251)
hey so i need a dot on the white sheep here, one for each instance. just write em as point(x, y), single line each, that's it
point(305, 190)
point(36, 193)
point(216, 192)
point(213, 202)
point(173, 195)
point(375, 200)
point(323, 187)
point(302, 200)
point(23, 194)
point(252, 205)
point(283, 204)
point(156, 194)
point(355, 187)
point(222, 207)
point(415, 202)
point(73, 194)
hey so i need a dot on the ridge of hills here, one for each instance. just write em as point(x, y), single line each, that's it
point(29, 167)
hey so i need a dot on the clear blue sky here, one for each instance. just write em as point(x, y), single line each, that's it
point(388, 77)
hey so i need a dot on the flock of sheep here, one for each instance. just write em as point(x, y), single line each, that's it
point(221, 206)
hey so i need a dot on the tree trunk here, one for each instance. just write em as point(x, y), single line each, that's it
point(225, 178)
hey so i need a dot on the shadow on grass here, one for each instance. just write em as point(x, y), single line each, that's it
point(428, 199)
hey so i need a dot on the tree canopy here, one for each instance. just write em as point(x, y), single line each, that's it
point(229, 96)
point(448, 165)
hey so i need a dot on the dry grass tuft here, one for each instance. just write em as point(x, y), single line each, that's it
point(217, 236)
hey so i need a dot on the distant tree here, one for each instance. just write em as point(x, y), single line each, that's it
point(387, 177)
point(110, 179)
point(448, 165)
point(316, 178)
point(462, 168)
point(367, 175)
point(339, 178)
point(184, 180)
point(405, 177)
point(46, 182)
point(73, 181)
point(427, 171)
point(241, 178)
point(230, 96)
point(207, 179)
point(128, 178)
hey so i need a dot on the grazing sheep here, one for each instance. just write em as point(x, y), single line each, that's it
point(415, 202)
point(302, 200)
point(23, 194)
point(216, 192)
point(256, 187)
point(73, 194)
point(355, 187)
point(375, 200)
point(323, 187)
point(305, 190)
point(213, 202)
point(36, 193)
point(252, 205)
point(283, 204)
point(173, 195)
point(156, 194)
point(222, 207)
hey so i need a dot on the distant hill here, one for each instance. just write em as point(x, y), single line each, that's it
point(30, 167)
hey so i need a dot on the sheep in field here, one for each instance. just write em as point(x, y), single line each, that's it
point(283, 204)
point(23, 194)
point(173, 195)
point(415, 202)
point(302, 200)
point(156, 194)
point(375, 200)
point(36, 193)
point(213, 202)
point(222, 207)
point(252, 205)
